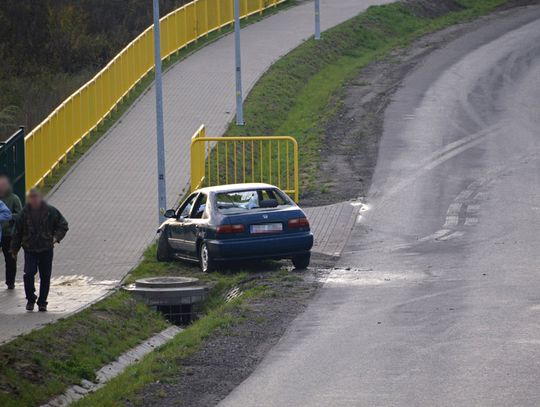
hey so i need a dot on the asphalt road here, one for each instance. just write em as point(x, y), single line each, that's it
point(442, 304)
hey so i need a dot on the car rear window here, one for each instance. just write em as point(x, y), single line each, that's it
point(256, 199)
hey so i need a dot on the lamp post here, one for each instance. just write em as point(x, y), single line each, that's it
point(317, 19)
point(162, 188)
point(238, 65)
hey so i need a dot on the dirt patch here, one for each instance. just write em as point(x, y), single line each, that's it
point(352, 136)
point(231, 355)
point(432, 9)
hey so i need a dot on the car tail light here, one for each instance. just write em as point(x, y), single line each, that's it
point(230, 229)
point(298, 223)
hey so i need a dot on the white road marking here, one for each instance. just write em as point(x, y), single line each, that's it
point(438, 234)
point(464, 195)
point(451, 221)
point(454, 209)
point(450, 236)
point(444, 154)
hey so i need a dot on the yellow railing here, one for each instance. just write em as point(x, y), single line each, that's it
point(51, 141)
point(231, 160)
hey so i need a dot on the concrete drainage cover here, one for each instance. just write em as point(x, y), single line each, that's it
point(166, 282)
point(157, 291)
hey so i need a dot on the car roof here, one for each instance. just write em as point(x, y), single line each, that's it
point(235, 187)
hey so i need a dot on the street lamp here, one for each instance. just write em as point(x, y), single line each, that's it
point(162, 188)
point(317, 19)
point(238, 60)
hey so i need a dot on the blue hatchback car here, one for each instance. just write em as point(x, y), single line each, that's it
point(236, 222)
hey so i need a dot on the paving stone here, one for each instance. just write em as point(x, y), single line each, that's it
point(332, 225)
point(87, 384)
point(79, 390)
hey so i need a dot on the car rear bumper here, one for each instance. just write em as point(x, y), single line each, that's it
point(271, 247)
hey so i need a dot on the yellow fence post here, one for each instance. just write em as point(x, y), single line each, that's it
point(207, 28)
point(197, 159)
point(218, 11)
point(296, 181)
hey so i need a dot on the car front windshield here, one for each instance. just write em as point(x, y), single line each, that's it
point(256, 199)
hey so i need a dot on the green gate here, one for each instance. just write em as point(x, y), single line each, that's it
point(12, 162)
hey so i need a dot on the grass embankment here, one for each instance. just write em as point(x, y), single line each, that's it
point(42, 364)
point(302, 91)
point(164, 364)
point(37, 366)
point(144, 84)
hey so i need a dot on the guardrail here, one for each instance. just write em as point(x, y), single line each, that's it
point(231, 160)
point(12, 162)
point(52, 140)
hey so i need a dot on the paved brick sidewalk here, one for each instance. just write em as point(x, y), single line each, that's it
point(110, 197)
point(332, 226)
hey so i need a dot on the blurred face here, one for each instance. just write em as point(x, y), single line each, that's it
point(4, 186)
point(35, 200)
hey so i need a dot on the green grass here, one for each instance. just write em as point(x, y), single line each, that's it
point(42, 364)
point(150, 267)
point(163, 364)
point(37, 366)
point(142, 86)
point(302, 91)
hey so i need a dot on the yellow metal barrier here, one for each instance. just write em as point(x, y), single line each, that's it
point(50, 142)
point(231, 160)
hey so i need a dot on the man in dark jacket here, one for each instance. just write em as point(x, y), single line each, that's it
point(37, 229)
point(13, 203)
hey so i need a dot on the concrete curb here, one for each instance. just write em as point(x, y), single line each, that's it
point(110, 371)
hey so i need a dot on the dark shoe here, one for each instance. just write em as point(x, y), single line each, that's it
point(30, 305)
point(11, 286)
point(42, 308)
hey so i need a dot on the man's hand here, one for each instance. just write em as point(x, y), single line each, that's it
point(14, 255)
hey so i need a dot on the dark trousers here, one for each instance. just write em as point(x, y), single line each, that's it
point(11, 263)
point(35, 262)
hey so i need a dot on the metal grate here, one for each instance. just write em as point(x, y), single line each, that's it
point(180, 314)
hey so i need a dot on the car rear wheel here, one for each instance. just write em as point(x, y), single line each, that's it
point(301, 261)
point(206, 263)
point(163, 248)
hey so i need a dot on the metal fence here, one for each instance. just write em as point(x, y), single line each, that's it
point(12, 162)
point(50, 142)
point(231, 160)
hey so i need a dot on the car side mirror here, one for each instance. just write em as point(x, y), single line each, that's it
point(170, 213)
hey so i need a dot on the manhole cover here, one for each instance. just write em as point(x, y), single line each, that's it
point(177, 298)
point(166, 282)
